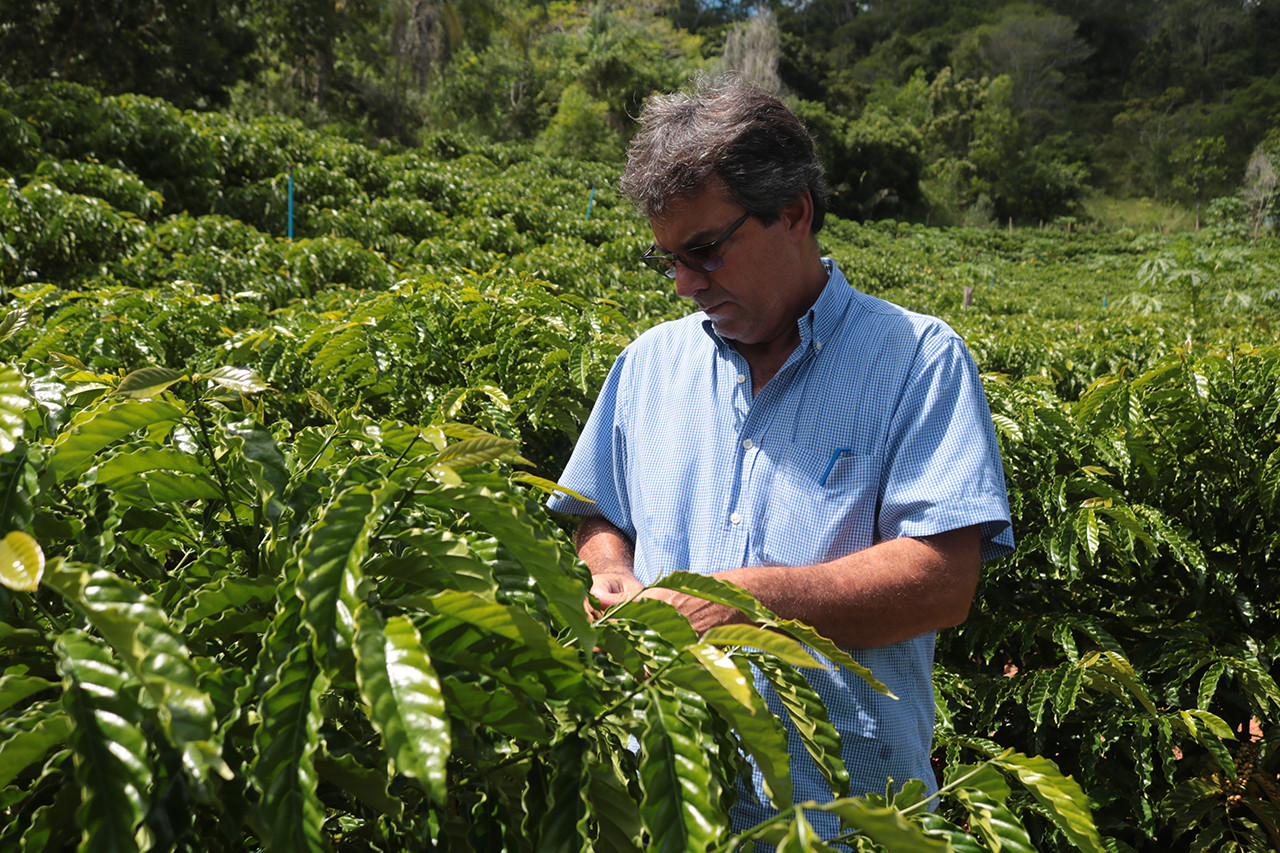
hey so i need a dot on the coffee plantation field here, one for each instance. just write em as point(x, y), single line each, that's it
point(277, 415)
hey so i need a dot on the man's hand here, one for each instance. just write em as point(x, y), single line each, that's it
point(614, 589)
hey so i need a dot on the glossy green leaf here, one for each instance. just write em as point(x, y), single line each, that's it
point(992, 820)
point(155, 653)
point(758, 731)
point(563, 826)
point(94, 429)
point(16, 686)
point(330, 566)
point(291, 814)
point(404, 697)
point(808, 714)
point(780, 646)
point(616, 814)
point(725, 593)
point(111, 764)
point(21, 562)
point(681, 792)
point(1061, 796)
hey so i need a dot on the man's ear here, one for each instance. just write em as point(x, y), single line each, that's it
point(797, 216)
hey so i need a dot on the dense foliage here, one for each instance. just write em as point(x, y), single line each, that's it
point(276, 574)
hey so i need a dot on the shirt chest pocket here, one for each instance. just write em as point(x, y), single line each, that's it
point(820, 505)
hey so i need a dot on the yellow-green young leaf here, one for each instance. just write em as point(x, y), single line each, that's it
point(549, 486)
point(723, 669)
point(21, 562)
point(886, 826)
point(146, 382)
point(1062, 797)
point(404, 696)
point(322, 404)
point(475, 451)
point(13, 403)
point(241, 380)
point(94, 429)
point(1122, 671)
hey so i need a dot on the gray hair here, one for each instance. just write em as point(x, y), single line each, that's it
point(724, 128)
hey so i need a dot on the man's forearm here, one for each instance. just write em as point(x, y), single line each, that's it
point(889, 592)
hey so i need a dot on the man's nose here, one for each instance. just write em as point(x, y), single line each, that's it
point(689, 281)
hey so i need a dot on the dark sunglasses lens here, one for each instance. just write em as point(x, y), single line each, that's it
point(662, 264)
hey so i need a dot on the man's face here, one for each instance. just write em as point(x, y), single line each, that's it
point(758, 293)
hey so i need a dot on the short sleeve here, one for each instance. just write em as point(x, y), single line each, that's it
point(597, 468)
point(942, 461)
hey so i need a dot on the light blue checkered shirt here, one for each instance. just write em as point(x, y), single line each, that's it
point(876, 427)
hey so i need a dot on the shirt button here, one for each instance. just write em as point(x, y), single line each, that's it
point(747, 444)
point(817, 345)
point(735, 518)
point(742, 377)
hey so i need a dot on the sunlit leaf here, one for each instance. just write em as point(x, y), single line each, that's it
point(147, 382)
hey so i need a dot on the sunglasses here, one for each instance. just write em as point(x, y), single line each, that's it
point(699, 259)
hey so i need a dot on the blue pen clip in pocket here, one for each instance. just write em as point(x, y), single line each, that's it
point(835, 457)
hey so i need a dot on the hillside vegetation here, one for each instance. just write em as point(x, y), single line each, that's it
point(276, 573)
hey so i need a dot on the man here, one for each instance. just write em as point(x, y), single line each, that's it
point(828, 452)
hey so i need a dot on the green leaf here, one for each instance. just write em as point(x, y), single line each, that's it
point(142, 636)
point(94, 429)
point(564, 823)
point(1064, 801)
point(992, 819)
point(712, 589)
point(15, 686)
point(27, 738)
point(884, 825)
point(290, 813)
point(330, 566)
point(808, 714)
point(404, 696)
point(475, 451)
point(111, 764)
point(21, 562)
point(614, 811)
point(758, 730)
point(12, 322)
point(681, 791)
point(147, 382)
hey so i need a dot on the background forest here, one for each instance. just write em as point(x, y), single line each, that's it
point(947, 111)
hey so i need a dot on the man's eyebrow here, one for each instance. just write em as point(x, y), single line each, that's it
point(696, 240)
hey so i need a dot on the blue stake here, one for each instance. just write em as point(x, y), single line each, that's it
point(1104, 302)
point(591, 201)
point(291, 205)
